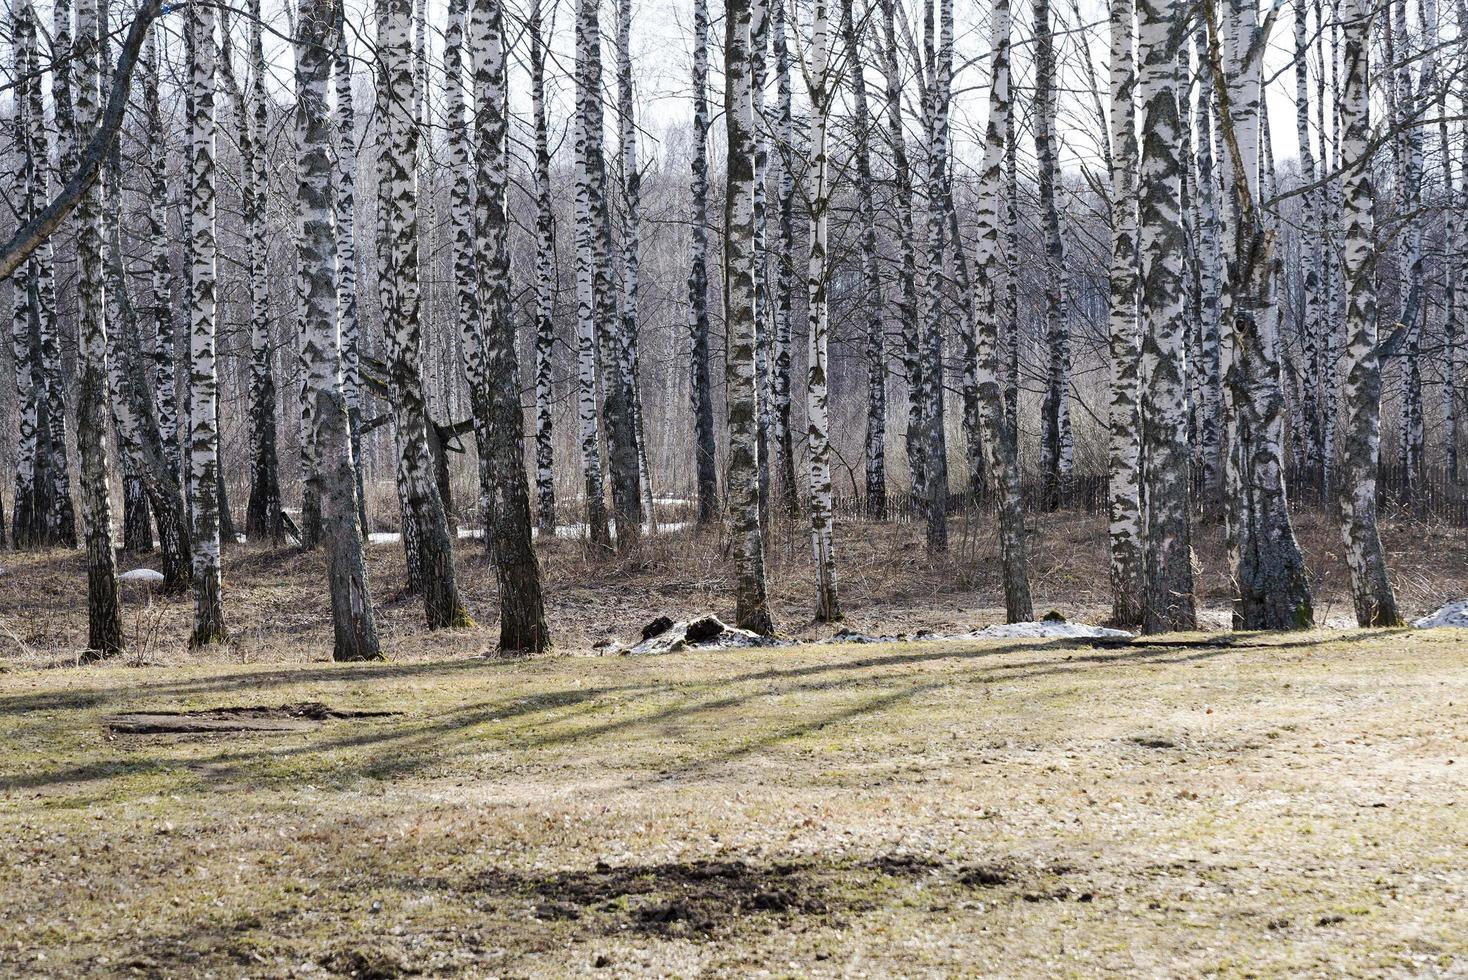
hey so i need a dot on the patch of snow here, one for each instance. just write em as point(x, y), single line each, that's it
point(384, 537)
point(1454, 614)
point(1046, 629)
point(142, 575)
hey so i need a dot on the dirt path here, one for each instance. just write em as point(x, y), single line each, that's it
point(1294, 806)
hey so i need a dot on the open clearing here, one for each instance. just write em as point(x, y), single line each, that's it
point(1236, 806)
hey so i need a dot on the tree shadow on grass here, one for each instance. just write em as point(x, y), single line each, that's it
point(393, 748)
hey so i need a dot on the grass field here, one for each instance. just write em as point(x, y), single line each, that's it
point(1197, 805)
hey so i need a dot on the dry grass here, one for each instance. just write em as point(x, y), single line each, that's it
point(1252, 806)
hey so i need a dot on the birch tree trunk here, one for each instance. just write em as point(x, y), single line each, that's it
point(990, 295)
point(871, 273)
point(588, 304)
point(28, 511)
point(828, 609)
point(522, 609)
point(1168, 570)
point(752, 611)
point(1312, 307)
point(55, 513)
point(1056, 442)
point(631, 247)
point(1371, 590)
point(1210, 273)
point(938, 90)
point(402, 330)
point(545, 283)
point(346, 245)
point(618, 386)
point(907, 294)
point(263, 512)
point(701, 378)
point(463, 206)
point(1271, 587)
point(104, 622)
point(785, 156)
point(1125, 443)
point(203, 307)
point(353, 624)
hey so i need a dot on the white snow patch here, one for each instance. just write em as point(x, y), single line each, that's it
point(1050, 629)
point(384, 537)
point(1454, 614)
point(1045, 629)
point(142, 575)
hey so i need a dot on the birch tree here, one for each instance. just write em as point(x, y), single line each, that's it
point(104, 622)
point(1125, 443)
point(1271, 587)
point(354, 627)
point(545, 281)
point(522, 609)
point(617, 381)
point(589, 289)
point(402, 330)
point(263, 513)
point(876, 324)
point(1168, 571)
point(821, 88)
point(782, 441)
point(631, 245)
point(990, 302)
point(902, 206)
point(700, 376)
point(1371, 590)
point(752, 611)
point(347, 286)
point(1056, 441)
point(203, 460)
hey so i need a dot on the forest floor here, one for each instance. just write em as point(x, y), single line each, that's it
point(276, 604)
point(1192, 805)
point(1206, 803)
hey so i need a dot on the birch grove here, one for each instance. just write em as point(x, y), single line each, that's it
point(1197, 270)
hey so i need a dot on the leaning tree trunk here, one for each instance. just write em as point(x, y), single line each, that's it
point(1168, 570)
point(988, 299)
point(132, 409)
point(700, 377)
point(522, 608)
point(752, 610)
point(876, 322)
point(1371, 590)
point(545, 284)
point(203, 374)
point(828, 609)
point(1125, 420)
point(353, 625)
point(104, 621)
point(402, 328)
point(1056, 443)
